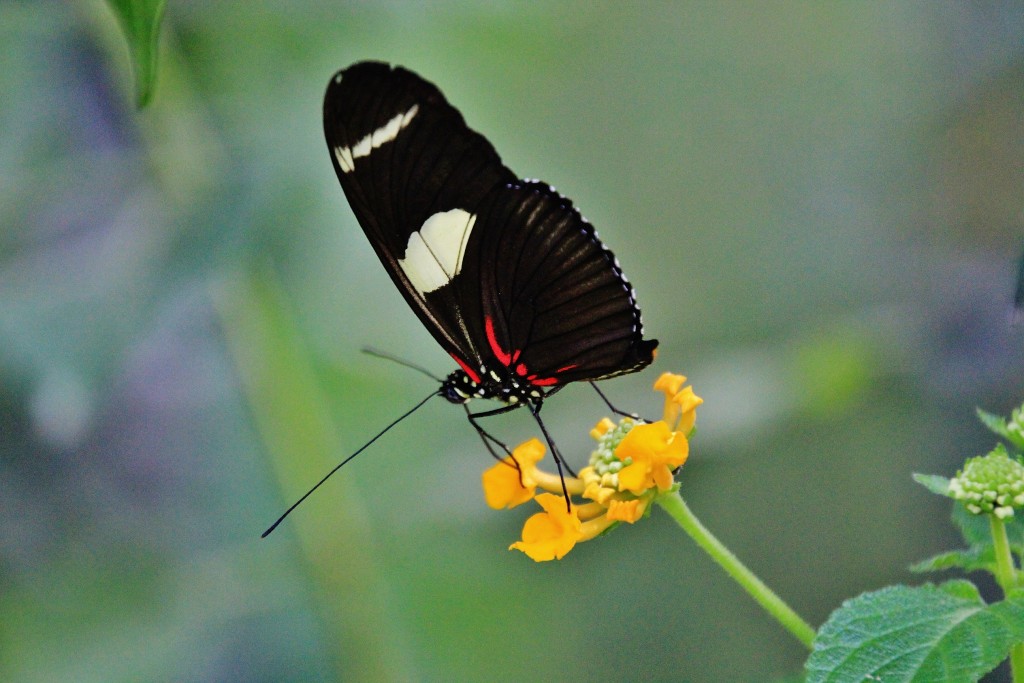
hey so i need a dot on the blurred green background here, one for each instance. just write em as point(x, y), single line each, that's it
point(819, 204)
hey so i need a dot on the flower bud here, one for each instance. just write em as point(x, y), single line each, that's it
point(990, 484)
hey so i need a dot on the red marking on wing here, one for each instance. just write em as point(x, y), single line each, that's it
point(507, 359)
point(543, 381)
point(503, 357)
point(465, 368)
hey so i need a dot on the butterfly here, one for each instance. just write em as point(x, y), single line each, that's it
point(506, 274)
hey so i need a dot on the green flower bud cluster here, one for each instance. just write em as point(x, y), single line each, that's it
point(990, 484)
point(603, 459)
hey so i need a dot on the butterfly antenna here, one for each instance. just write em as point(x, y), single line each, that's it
point(369, 350)
point(340, 464)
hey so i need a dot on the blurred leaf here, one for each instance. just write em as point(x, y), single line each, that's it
point(289, 409)
point(835, 367)
point(929, 633)
point(933, 482)
point(140, 21)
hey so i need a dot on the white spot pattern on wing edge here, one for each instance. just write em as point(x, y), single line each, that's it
point(347, 156)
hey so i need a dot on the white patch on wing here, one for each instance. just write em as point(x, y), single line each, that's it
point(434, 254)
point(389, 131)
point(362, 148)
point(344, 157)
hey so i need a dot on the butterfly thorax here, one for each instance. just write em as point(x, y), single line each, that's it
point(459, 387)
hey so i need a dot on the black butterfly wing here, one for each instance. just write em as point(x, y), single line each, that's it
point(505, 274)
point(556, 306)
point(404, 156)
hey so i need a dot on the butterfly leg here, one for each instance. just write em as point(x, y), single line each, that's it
point(612, 408)
point(489, 438)
point(486, 436)
point(560, 463)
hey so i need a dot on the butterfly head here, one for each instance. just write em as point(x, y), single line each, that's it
point(458, 387)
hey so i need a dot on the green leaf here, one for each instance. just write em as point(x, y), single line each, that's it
point(995, 423)
point(140, 22)
point(903, 634)
point(978, 532)
point(933, 482)
point(1008, 429)
point(973, 559)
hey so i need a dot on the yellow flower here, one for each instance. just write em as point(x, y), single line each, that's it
point(601, 428)
point(549, 535)
point(686, 402)
point(632, 463)
point(655, 450)
point(506, 485)
point(626, 510)
point(669, 383)
point(680, 403)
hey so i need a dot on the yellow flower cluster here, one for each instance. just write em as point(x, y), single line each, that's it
point(633, 463)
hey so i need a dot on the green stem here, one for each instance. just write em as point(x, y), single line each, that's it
point(1006, 575)
point(1017, 662)
point(675, 506)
